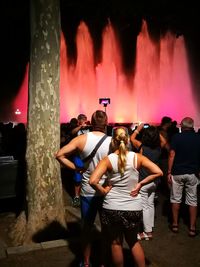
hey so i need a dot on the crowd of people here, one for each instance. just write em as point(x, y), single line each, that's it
point(117, 172)
point(120, 181)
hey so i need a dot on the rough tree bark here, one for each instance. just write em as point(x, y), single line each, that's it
point(44, 187)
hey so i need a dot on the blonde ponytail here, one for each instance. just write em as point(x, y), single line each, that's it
point(120, 141)
point(122, 157)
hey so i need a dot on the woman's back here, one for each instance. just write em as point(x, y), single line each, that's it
point(153, 154)
point(119, 197)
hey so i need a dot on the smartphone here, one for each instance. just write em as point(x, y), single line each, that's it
point(146, 125)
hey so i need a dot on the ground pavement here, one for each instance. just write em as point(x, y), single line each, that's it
point(165, 250)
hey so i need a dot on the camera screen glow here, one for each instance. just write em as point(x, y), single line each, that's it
point(104, 101)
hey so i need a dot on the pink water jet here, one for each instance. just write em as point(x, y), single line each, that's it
point(160, 84)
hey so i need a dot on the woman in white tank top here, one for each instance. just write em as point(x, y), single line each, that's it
point(122, 207)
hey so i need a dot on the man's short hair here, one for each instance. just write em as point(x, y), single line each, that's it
point(82, 117)
point(99, 120)
point(187, 122)
point(165, 120)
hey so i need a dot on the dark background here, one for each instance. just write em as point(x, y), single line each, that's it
point(181, 17)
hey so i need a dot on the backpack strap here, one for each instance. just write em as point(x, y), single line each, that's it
point(91, 155)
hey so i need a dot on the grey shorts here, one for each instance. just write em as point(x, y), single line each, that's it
point(188, 182)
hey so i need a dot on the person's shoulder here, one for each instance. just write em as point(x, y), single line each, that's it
point(112, 155)
point(98, 133)
point(79, 138)
point(131, 153)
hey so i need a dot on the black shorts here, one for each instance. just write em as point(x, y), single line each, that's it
point(119, 223)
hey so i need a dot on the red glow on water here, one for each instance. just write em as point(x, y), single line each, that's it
point(77, 82)
point(159, 86)
point(162, 85)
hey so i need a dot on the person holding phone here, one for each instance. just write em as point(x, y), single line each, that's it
point(149, 146)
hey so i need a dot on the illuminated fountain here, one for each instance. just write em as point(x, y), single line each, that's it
point(159, 85)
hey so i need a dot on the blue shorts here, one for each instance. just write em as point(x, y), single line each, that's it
point(89, 208)
point(78, 162)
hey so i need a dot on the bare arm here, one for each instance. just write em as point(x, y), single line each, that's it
point(99, 171)
point(75, 130)
point(62, 155)
point(136, 143)
point(170, 164)
point(164, 143)
point(78, 128)
point(153, 169)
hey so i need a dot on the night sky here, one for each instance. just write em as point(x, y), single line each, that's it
point(181, 17)
point(126, 16)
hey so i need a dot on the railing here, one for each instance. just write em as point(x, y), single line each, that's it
point(8, 177)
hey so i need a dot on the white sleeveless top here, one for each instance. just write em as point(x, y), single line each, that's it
point(119, 198)
point(103, 150)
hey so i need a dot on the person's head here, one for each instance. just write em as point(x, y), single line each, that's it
point(73, 122)
point(187, 124)
point(99, 121)
point(166, 122)
point(120, 141)
point(82, 118)
point(151, 137)
point(174, 123)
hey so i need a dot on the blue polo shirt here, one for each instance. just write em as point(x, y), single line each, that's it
point(187, 152)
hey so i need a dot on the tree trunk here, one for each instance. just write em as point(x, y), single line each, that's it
point(45, 208)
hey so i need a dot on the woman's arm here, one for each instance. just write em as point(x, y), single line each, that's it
point(136, 143)
point(102, 167)
point(153, 169)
